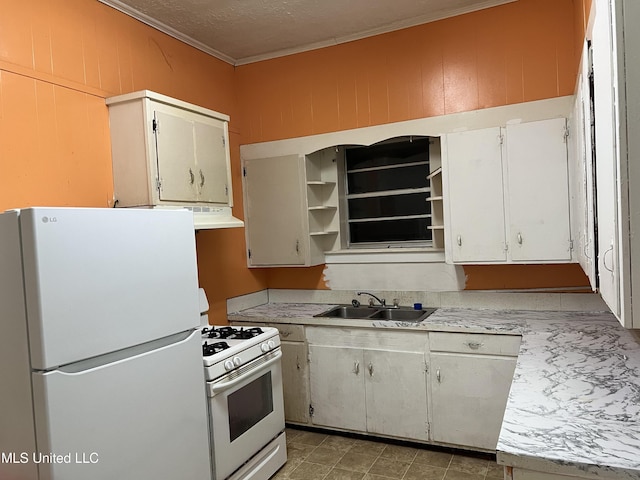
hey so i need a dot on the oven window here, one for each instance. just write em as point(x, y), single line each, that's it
point(249, 405)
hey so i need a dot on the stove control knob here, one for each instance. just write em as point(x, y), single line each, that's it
point(265, 347)
point(236, 361)
point(228, 365)
point(271, 344)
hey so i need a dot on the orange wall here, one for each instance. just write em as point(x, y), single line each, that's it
point(59, 60)
point(523, 51)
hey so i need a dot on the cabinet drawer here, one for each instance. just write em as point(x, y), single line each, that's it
point(291, 333)
point(479, 343)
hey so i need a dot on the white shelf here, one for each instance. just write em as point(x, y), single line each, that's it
point(318, 234)
point(436, 172)
point(319, 182)
point(323, 207)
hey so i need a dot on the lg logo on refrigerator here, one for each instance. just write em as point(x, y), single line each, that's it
point(49, 219)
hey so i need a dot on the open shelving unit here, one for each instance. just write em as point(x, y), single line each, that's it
point(437, 216)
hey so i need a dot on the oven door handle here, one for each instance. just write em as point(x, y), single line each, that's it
point(222, 386)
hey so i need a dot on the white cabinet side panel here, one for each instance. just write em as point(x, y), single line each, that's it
point(133, 171)
point(631, 11)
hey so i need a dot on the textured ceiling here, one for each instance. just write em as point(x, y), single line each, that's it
point(242, 31)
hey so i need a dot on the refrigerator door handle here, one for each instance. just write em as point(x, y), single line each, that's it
point(96, 363)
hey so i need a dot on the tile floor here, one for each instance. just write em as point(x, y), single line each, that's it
point(320, 456)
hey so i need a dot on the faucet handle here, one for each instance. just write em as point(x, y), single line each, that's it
point(355, 303)
point(396, 303)
point(371, 302)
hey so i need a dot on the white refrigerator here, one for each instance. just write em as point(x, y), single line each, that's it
point(101, 372)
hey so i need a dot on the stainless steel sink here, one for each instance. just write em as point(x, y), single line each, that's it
point(344, 311)
point(403, 314)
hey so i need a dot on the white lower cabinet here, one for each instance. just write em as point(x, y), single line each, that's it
point(470, 376)
point(436, 387)
point(369, 381)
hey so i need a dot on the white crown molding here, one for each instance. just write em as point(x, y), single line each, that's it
point(412, 22)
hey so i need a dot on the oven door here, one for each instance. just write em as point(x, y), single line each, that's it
point(246, 411)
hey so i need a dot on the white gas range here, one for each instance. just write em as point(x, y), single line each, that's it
point(246, 408)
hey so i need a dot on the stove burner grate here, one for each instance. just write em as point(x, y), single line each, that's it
point(209, 349)
point(248, 333)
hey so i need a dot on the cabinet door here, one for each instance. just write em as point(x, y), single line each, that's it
point(468, 397)
point(337, 387)
point(538, 191)
point(176, 158)
point(474, 198)
point(606, 128)
point(211, 159)
point(395, 385)
point(275, 210)
point(295, 381)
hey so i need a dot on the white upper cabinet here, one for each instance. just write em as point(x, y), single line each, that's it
point(581, 178)
point(616, 76)
point(275, 210)
point(538, 191)
point(168, 153)
point(506, 194)
point(291, 207)
point(474, 196)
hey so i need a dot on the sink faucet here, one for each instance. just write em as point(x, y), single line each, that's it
point(382, 302)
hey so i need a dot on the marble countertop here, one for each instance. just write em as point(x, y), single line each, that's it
point(574, 404)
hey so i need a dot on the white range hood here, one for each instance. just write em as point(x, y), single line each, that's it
point(208, 217)
point(214, 217)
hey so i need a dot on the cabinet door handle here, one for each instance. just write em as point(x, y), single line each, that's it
point(356, 368)
point(298, 362)
point(459, 240)
point(519, 238)
point(192, 177)
point(474, 345)
point(297, 246)
point(201, 179)
point(285, 334)
point(370, 369)
point(438, 376)
point(604, 259)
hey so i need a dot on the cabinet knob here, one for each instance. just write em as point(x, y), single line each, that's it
point(370, 369)
point(298, 362)
point(356, 368)
point(201, 179)
point(192, 177)
point(519, 238)
point(438, 376)
point(459, 240)
point(474, 345)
